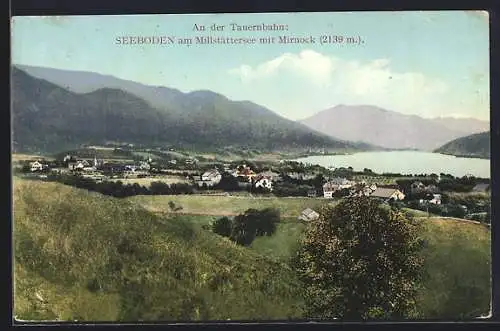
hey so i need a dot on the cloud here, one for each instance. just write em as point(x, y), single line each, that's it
point(315, 66)
point(337, 80)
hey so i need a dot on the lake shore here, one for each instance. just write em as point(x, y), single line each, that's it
point(405, 163)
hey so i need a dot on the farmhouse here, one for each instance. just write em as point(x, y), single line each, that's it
point(388, 194)
point(246, 173)
point(308, 215)
point(210, 178)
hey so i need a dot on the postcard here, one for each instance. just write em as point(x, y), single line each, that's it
point(251, 167)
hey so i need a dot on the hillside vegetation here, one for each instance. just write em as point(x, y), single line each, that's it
point(475, 145)
point(91, 257)
point(458, 269)
point(47, 117)
point(84, 256)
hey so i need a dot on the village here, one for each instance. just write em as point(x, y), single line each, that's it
point(283, 179)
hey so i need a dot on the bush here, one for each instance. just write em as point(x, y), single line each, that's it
point(223, 226)
point(253, 223)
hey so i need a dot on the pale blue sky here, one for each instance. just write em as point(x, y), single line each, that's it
point(426, 63)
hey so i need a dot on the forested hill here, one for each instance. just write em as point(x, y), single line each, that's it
point(47, 117)
point(475, 145)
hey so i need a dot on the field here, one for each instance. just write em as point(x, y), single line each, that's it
point(227, 205)
point(29, 157)
point(148, 180)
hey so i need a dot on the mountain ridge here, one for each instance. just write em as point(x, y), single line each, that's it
point(474, 145)
point(199, 119)
point(386, 128)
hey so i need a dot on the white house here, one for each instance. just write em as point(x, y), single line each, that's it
point(144, 165)
point(210, 178)
point(308, 215)
point(436, 199)
point(36, 166)
point(264, 182)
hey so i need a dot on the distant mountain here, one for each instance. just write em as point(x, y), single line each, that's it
point(467, 125)
point(475, 145)
point(48, 117)
point(386, 128)
point(84, 82)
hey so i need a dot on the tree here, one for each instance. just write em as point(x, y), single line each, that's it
point(254, 223)
point(243, 232)
point(223, 226)
point(359, 261)
point(266, 221)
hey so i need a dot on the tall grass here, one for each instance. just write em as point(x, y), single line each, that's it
point(98, 258)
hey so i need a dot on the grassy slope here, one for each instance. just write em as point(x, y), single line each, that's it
point(458, 262)
point(67, 239)
point(226, 205)
point(69, 243)
point(457, 259)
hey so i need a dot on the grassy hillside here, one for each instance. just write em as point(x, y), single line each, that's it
point(458, 264)
point(92, 257)
point(475, 145)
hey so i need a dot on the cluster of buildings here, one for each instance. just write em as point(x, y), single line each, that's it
point(360, 189)
point(92, 168)
point(245, 175)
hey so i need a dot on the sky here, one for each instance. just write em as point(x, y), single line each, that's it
point(430, 64)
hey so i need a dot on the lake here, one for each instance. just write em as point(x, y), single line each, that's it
point(405, 162)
